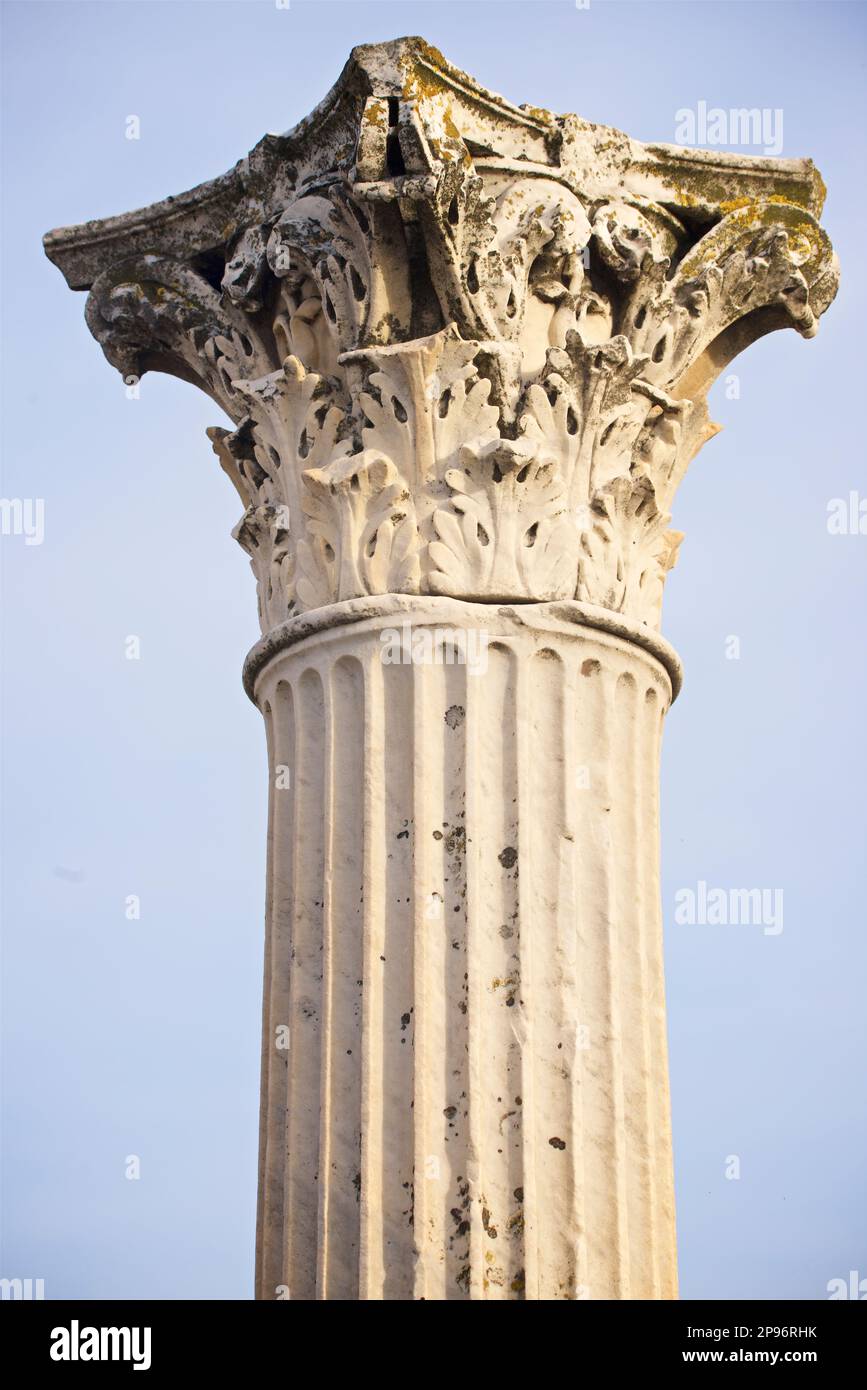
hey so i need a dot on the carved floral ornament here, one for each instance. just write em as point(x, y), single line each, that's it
point(465, 346)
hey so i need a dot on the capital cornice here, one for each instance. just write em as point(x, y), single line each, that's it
point(465, 346)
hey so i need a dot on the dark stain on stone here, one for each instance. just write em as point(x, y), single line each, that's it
point(508, 857)
point(455, 716)
point(557, 1143)
point(456, 842)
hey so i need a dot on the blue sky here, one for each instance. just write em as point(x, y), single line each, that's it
point(148, 777)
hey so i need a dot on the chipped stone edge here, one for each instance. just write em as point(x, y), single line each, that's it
point(212, 213)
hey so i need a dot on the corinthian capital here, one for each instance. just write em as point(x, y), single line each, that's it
point(465, 346)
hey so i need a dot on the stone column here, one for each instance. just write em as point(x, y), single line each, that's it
point(464, 936)
point(464, 348)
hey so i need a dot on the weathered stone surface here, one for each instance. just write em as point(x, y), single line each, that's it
point(465, 349)
point(465, 345)
point(466, 945)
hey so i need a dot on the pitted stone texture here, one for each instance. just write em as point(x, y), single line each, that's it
point(464, 949)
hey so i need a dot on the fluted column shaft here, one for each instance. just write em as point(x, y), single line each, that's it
point(464, 955)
